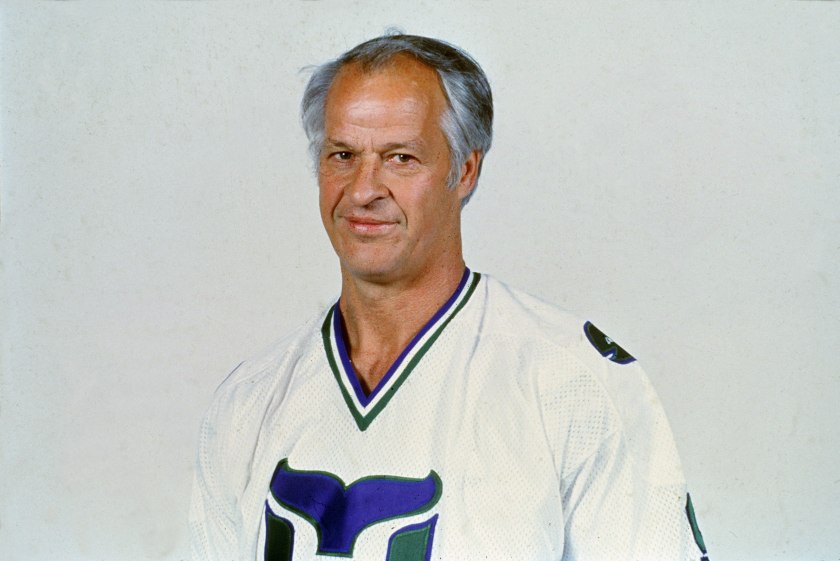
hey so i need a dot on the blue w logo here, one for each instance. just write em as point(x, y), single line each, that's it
point(340, 513)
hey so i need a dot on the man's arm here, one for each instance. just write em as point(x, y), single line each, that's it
point(614, 511)
point(623, 491)
point(213, 509)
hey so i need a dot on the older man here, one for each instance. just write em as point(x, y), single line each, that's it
point(432, 412)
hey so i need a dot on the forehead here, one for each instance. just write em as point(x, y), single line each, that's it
point(401, 88)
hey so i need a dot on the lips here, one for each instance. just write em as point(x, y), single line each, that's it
point(368, 225)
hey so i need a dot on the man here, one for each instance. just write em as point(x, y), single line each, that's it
point(432, 413)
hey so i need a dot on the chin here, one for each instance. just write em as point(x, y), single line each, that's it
point(371, 274)
point(372, 270)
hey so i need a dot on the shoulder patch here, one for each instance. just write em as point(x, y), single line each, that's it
point(606, 346)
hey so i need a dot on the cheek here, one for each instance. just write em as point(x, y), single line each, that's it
point(428, 208)
point(329, 194)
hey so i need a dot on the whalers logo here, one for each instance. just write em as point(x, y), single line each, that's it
point(339, 513)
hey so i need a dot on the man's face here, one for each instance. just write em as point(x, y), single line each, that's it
point(383, 195)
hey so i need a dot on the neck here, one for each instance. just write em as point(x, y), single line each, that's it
point(381, 319)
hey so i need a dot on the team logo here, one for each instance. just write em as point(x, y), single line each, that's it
point(340, 513)
point(606, 346)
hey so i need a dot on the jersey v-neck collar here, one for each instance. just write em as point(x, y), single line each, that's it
point(365, 408)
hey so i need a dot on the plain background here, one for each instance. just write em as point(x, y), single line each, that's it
point(670, 171)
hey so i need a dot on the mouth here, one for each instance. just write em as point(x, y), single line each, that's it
point(367, 226)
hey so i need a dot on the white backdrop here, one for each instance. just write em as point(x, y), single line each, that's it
point(670, 171)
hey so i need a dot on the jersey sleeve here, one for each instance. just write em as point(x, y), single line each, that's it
point(213, 509)
point(621, 483)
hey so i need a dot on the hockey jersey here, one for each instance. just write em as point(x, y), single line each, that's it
point(506, 429)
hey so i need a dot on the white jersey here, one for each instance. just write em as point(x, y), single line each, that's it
point(505, 430)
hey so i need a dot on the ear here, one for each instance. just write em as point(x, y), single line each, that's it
point(469, 175)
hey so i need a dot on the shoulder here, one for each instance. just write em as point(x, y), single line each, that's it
point(511, 310)
point(558, 345)
point(242, 399)
point(232, 423)
point(260, 376)
point(591, 389)
point(534, 322)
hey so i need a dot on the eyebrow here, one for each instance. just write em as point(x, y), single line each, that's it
point(409, 144)
point(335, 143)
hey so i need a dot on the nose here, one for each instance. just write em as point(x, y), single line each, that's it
point(365, 185)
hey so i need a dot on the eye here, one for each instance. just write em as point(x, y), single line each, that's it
point(343, 156)
point(402, 158)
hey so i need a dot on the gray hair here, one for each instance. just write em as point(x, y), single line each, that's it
point(467, 122)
